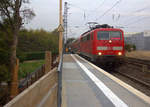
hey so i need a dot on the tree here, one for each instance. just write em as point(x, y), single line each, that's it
point(69, 40)
point(14, 13)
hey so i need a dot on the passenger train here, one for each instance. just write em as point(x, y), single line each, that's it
point(101, 43)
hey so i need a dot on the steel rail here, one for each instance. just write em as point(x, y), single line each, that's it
point(135, 79)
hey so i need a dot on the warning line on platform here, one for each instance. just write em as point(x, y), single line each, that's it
point(107, 92)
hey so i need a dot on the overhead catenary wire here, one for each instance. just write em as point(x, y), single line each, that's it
point(137, 21)
point(136, 11)
point(142, 9)
point(97, 8)
point(81, 9)
point(86, 14)
point(102, 3)
point(108, 10)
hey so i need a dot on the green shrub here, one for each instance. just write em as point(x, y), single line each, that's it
point(4, 73)
point(35, 55)
point(134, 47)
point(130, 47)
point(31, 56)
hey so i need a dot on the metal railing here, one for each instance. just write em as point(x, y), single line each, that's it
point(59, 99)
point(31, 78)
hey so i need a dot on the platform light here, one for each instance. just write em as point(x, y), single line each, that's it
point(119, 53)
point(99, 53)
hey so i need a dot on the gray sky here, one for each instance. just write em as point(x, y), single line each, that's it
point(134, 15)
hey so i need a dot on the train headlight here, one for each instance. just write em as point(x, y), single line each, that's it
point(110, 41)
point(99, 53)
point(119, 53)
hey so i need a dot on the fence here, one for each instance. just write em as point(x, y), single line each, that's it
point(42, 88)
point(34, 76)
point(31, 78)
point(43, 93)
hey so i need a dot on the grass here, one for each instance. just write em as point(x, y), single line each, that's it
point(139, 54)
point(28, 67)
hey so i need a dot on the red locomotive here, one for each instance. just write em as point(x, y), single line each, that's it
point(102, 43)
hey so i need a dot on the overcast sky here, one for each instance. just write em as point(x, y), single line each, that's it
point(134, 15)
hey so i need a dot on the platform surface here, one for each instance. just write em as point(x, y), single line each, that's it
point(85, 86)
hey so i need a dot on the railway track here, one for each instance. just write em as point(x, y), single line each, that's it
point(143, 64)
point(137, 71)
point(140, 74)
point(135, 79)
point(136, 60)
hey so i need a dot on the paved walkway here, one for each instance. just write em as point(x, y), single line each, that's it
point(85, 85)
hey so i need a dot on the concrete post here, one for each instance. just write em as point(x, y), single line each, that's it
point(14, 83)
point(60, 32)
point(48, 61)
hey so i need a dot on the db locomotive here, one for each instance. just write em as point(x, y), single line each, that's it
point(101, 43)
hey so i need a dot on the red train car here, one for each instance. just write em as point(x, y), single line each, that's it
point(101, 43)
point(75, 46)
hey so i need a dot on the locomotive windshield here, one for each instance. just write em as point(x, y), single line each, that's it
point(107, 35)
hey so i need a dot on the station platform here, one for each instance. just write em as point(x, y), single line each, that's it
point(86, 85)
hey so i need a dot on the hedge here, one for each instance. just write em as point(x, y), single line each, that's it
point(33, 56)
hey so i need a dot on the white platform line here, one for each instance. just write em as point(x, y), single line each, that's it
point(121, 83)
point(108, 93)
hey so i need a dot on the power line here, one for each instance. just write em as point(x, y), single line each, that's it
point(138, 10)
point(137, 21)
point(109, 10)
point(100, 5)
point(78, 7)
point(83, 10)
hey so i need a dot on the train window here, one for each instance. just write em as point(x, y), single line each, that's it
point(103, 35)
point(88, 37)
point(82, 39)
point(92, 34)
point(85, 38)
point(106, 35)
point(115, 35)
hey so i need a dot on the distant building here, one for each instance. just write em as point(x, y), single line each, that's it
point(140, 40)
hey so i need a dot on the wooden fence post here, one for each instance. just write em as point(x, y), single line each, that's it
point(14, 83)
point(48, 61)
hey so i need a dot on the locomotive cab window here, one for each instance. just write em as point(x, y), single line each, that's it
point(103, 35)
point(107, 35)
point(115, 35)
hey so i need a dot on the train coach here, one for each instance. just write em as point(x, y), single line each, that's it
point(101, 43)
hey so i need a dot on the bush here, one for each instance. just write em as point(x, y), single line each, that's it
point(130, 47)
point(4, 74)
point(134, 47)
point(35, 55)
point(31, 56)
